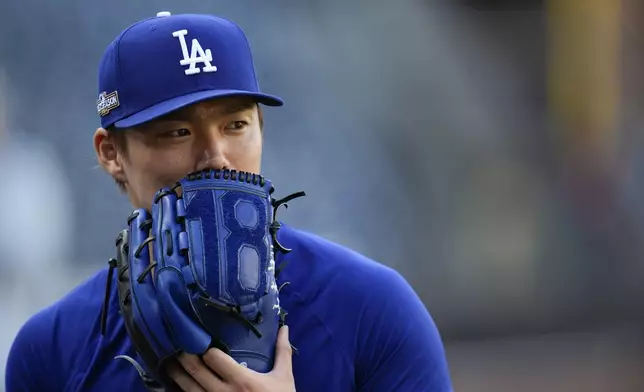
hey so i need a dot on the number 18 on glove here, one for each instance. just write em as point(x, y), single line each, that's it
point(198, 271)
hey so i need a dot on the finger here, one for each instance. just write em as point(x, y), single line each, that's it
point(224, 365)
point(198, 370)
point(283, 353)
point(183, 379)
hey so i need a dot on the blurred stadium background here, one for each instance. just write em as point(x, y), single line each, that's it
point(491, 151)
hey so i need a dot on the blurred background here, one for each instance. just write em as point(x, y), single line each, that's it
point(498, 147)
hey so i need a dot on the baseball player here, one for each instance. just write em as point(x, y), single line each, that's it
point(178, 94)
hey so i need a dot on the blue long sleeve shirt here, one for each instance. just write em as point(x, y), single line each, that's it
point(357, 325)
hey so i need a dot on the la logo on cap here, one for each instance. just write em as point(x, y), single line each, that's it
point(197, 55)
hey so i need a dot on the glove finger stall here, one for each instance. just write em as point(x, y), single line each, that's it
point(147, 313)
point(174, 275)
point(174, 297)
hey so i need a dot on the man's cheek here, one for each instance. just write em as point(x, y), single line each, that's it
point(168, 181)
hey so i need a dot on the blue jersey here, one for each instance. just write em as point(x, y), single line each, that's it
point(357, 325)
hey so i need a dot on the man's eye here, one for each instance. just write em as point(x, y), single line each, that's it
point(236, 125)
point(177, 133)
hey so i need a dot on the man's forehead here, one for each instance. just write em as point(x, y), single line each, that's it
point(220, 106)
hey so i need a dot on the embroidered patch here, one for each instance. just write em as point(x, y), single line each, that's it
point(107, 102)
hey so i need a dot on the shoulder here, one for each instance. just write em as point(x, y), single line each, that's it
point(55, 337)
point(324, 274)
point(321, 262)
point(331, 255)
point(75, 311)
point(371, 312)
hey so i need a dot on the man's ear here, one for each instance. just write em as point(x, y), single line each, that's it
point(109, 155)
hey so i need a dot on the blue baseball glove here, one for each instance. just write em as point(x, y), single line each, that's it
point(198, 271)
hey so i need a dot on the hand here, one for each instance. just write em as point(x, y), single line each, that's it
point(218, 372)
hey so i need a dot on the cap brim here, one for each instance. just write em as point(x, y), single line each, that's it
point(173, 104)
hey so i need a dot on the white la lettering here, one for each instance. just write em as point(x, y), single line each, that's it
point(197, 55)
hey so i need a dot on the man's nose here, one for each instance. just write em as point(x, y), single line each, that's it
point(212, 154)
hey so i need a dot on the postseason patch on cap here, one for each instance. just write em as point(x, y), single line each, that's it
point(107, 102)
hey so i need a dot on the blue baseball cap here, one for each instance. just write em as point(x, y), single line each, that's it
point(167, 62)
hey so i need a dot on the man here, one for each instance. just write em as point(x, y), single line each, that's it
point(177, 94)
